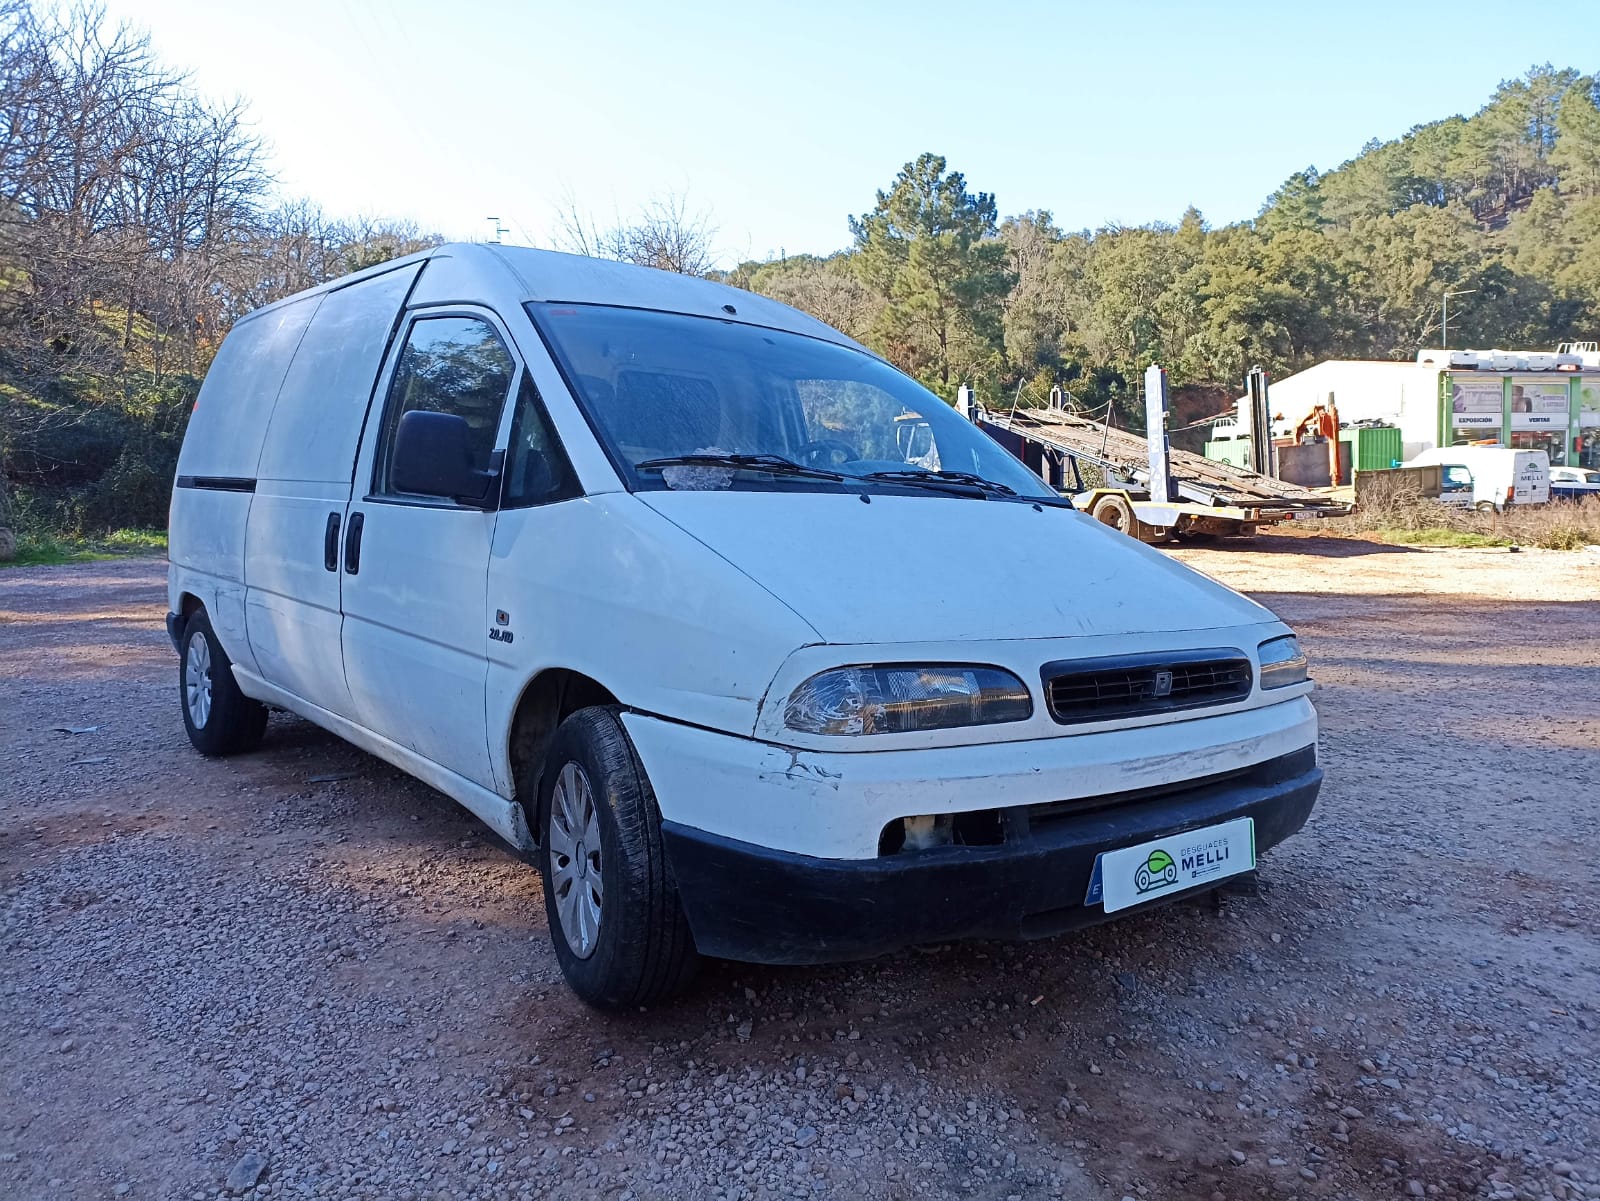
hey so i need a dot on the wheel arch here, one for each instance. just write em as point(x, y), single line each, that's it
point(545, 702)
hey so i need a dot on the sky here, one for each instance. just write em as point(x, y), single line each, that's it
point(780, 120)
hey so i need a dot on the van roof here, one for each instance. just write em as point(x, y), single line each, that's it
point(549, 275)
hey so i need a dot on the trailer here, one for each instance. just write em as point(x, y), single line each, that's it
point(1140, 485)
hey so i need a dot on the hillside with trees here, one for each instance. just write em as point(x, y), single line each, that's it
point(139, 220)
point(1351, 262)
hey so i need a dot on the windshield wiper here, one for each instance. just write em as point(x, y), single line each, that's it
point(963, 483)
point(771, 464)
point(927, 478)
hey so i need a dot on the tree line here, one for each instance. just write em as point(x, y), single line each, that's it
point(1348, 263)
point(139, 220)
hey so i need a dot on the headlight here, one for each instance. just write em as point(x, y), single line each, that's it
point(1282, 663)
point(896, 700)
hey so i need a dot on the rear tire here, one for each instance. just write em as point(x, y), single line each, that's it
point(618, 928)
point(220, 719)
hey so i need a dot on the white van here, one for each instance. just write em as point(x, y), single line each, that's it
point(1489, 477)
point(645, 572)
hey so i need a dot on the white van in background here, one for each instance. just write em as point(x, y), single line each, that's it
point(1489, 477)
point(752, 644)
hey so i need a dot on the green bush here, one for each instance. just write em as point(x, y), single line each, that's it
point(84, 463)
point(136, 491)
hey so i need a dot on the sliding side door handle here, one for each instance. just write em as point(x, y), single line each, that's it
point(330, 543)
point(352, 544)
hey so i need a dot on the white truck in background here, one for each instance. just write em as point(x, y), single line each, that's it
point(1489, 477)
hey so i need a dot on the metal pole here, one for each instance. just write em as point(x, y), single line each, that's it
point(1155, 426)
point(1260, 421)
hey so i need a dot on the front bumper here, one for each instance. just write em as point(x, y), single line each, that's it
point(761, 905)
point(835, 805)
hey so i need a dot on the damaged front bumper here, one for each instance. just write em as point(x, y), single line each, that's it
point(764, 906)
point(788, 857)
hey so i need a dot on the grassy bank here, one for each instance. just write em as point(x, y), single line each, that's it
point(1408, 519)
point(1437, 537)
point(35, 549)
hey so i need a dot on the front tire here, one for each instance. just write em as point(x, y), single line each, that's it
point(220, 719)
point(618, 928)
point(1115, 512)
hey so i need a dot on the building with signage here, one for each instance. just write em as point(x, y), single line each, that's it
point(1533, 399)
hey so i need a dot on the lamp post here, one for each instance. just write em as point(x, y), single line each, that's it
point(1444, 333)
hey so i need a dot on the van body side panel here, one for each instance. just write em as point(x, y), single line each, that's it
point(207, 529)
point(217, 465)
point(605, 586)
point(307, 460)
point(415, 631)
point(317, 423)
point(223, 440)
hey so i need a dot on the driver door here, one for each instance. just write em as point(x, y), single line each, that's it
point(415, 569)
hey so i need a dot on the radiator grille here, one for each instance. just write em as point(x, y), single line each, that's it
point(1132, 686)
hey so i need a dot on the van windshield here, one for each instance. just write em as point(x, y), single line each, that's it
point(757, 408)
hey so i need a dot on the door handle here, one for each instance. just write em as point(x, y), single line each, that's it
point(330, 543)
point(352, 544)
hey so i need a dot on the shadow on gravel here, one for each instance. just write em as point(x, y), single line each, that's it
point(1303, 544)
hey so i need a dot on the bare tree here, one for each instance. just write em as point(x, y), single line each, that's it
point(135, 228)
point(368, 241)
point(666, 235)
point(576, 234)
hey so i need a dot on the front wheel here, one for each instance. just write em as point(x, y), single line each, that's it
point(619, 931)
point(220, 719)
point(1116, 512)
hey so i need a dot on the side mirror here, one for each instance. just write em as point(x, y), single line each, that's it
point(433, 457)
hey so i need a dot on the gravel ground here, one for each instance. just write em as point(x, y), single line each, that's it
point(301, 974)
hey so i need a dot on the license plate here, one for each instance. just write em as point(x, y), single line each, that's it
point(1133, 875)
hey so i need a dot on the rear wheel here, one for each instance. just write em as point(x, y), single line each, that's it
point(615, 920)
point(220, 719)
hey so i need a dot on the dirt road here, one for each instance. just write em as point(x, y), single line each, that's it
point(304, 960)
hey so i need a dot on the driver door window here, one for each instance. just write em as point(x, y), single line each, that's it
point(454, 365)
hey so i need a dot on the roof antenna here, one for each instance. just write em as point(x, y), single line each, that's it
point(499, 230)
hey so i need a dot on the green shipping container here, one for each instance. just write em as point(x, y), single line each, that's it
point(1235, 452)
point(1377, 448)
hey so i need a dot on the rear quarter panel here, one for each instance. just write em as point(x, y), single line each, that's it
point(207, 526)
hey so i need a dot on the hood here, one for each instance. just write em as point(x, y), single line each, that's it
point(935, 568)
